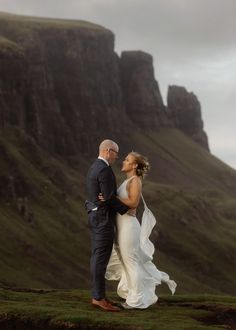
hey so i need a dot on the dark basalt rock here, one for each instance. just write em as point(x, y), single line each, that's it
point(185, 110)
point(66, 87)
point(143, 100)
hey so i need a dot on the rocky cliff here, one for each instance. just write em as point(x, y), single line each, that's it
point(185, 111)
point(62, 89)
point(63, 84)
point(142, 97)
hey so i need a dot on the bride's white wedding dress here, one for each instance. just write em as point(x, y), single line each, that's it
point(131, 259)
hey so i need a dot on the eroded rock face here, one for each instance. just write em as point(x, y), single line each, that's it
point(143, 100)
point(66, 87)
point(185, 111)
point(12, 83)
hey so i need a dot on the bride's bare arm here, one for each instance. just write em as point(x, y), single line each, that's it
point(134, 191)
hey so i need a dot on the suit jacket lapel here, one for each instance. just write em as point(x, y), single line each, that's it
point(114, 177)
point(114, 180)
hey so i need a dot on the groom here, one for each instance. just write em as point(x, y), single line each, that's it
point(101, 216)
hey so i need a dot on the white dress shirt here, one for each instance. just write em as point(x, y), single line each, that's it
point(99, 157)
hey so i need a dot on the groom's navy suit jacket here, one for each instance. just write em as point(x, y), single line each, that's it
point(101, 216)
point(101, 179)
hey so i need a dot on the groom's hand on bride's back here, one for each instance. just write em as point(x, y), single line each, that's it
point(115, 203)
point(101, 198)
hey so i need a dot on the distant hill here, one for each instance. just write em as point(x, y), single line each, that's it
point(62, 90)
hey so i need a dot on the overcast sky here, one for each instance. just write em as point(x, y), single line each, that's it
point(193, 44)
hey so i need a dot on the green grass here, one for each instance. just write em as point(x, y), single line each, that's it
point(8, 47)
point(191, 192)
point(48, 251)
point(41, 22)
point(72, 307)
point(16, 28)
point(178, 161)
point(194, 237)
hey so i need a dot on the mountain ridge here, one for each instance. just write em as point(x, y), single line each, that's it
point(52, 68)
point(61, 92)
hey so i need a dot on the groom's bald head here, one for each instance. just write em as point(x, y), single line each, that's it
point(108, 150)
point(108, 144)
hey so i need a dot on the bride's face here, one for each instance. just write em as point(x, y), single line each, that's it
point(129, 164)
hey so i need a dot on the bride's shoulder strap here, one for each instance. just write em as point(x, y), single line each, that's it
point(134, 176)
point(147, 213)
point(129, 179)
point(144, 203)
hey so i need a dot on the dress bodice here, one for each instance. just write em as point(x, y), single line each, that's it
point(131, 259)
point(122, 190)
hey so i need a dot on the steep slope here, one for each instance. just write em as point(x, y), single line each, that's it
point(62, 90)
point(194, 236)
point(44, 236)
point(196, 211)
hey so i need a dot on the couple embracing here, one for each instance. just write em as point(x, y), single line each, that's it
point(121, 249)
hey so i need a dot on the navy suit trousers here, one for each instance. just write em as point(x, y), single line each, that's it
point(102, 237)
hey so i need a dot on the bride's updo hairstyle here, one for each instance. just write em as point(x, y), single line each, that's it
point(143, 165)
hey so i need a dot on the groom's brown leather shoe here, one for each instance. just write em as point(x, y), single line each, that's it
point(104, 305)
point(113, 303)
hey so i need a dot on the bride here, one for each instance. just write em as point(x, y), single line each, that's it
point(131, 258)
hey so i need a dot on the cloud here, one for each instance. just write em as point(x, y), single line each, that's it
point(223, 146)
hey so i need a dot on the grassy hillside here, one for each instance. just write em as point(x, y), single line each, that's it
point(190, 191)
point(196, 211)
point(179, 161)
point(71, 309)
point(42, 22)
point(48, 245)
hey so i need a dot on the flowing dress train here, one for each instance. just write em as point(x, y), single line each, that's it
point(131, 259)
